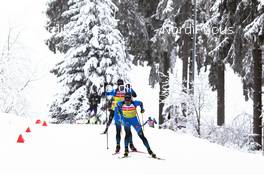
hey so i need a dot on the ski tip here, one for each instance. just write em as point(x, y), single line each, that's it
point(158, 158)
point(115, 153)
point(123, 157)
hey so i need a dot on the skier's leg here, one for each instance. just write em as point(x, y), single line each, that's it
point(95, 110)
point(143, 138)
point(118, 126)
point(111, 116)
point(135, 123)
point(118, 137)
point(131, 145)
point(89, 112)
point(118, 133)
point(127, 138)
point(145, 142)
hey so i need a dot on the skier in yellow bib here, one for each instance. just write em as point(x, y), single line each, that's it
point(118, 95)
point(128, 111)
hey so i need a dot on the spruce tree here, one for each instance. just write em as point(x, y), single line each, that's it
point(162, 46)
point(93, 48)
point(242, 38)
point(133, 27)
point(214, 43)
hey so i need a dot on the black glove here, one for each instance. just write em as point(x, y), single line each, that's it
point(105, 131)
point(142, 111)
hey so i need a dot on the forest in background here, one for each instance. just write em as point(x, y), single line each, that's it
point(102, 38)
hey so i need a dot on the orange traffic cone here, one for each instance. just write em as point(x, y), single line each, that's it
point(44, 123)
point(20, 139)
point(38, 121)
point(28, 130)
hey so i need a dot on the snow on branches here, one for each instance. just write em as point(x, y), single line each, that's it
point(93, 48)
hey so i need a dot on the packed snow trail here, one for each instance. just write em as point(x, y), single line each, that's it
point(81, 149)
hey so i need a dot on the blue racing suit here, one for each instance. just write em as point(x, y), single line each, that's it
point(114, 113)
point(129, 118)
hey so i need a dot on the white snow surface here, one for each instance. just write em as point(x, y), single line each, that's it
point(80, 149)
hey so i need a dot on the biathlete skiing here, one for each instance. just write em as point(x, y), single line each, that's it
point(118, 95)
point(128, 112)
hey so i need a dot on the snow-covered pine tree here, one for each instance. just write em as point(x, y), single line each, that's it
point(56, 22)
point(214, 35)
point(133, 26)
point(175, 37)
point(148, 9)
point(244, 54)
point(254, 34)
point(177, 17)
point(93, 49)
point(163, 43)
point(233, 23)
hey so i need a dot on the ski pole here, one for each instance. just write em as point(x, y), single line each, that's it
point(139, 120)
point(142, 120)
point(106, 103)
point(106, 132)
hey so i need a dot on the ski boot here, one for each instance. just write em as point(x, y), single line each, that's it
point(152, 154)
point(132, 147)
point(117, 149)
point(126, 152)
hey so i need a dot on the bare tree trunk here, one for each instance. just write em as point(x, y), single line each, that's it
point(185, 57)
point(163, 82)
point(198, 118)
point(186, 54)
point(257, 106)
point(199, 126)
point(220, 94)
point(191, 77)
point(186, 45)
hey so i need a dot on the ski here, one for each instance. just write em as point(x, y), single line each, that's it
point(124, 157)
point(158, 158)
point(115, 153)
point(138, 152)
